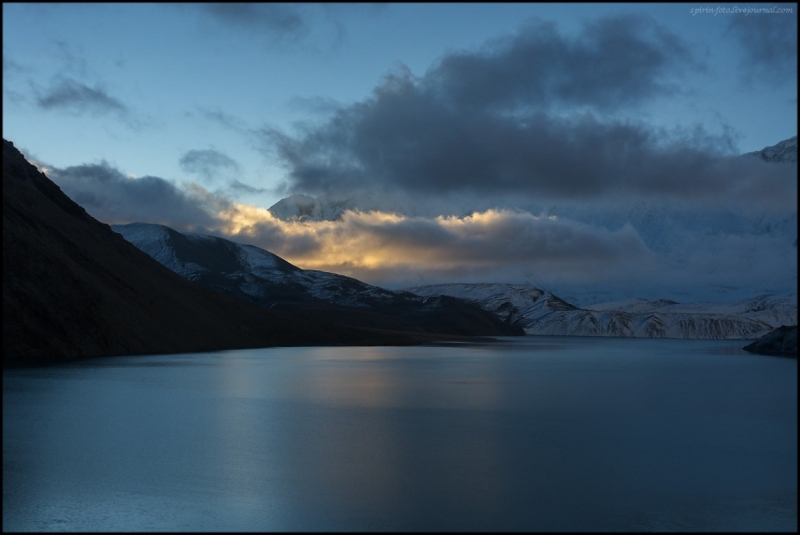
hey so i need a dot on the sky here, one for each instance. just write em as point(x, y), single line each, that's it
point(562, 145)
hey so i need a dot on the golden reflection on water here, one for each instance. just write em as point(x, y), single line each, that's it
point(372, 459)
point(360, 456)
point(361, 377)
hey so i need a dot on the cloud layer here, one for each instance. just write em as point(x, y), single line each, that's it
point(272, 18)
point(113, 198)
point(495, 121)
point(687, 251)
point(615, 62)
point(286, 25)
point(382, 246)
point(370, 245)
point(528, 159)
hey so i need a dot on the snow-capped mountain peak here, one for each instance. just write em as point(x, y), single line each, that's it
point(785, 151)
point(301, 207)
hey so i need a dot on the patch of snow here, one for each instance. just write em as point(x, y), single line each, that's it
point(152, 239)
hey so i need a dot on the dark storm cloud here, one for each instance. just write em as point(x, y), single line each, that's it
point(615, 62)
point(278, 18)
point(769, 45)
point(69, 94)
point(402, 138)
point(208, 163)
point(489, 123)
point(323, 26)
point(113, 198)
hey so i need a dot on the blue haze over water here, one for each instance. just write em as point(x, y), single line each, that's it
point(530, 433)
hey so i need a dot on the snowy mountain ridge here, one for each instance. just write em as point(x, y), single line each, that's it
point(253, 274)
point(259, 276)
point(541, 312)
point(784, 151)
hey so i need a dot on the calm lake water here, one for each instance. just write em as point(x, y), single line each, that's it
point(531, 433)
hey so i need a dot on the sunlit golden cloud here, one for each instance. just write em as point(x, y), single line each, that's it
point(393, 247)
point(376, 245)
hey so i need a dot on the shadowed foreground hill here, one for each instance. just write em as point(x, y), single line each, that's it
point(782, 342)
point(73, 288)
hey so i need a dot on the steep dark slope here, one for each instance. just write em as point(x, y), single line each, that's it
point(73, 288)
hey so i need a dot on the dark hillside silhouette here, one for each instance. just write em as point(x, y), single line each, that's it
point(73, 288)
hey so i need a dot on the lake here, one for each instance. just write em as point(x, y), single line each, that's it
point(528, 433)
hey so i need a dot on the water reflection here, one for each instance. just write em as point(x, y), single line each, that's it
point(591, 435)
point(401, 386)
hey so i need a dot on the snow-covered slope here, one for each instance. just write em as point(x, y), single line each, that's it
point(258, 276)
point(785, 151)
point(769, 309)
point(248, 271)
point(540, 312)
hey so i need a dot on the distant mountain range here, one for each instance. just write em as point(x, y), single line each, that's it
point(540, 312)
point(258, 276)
